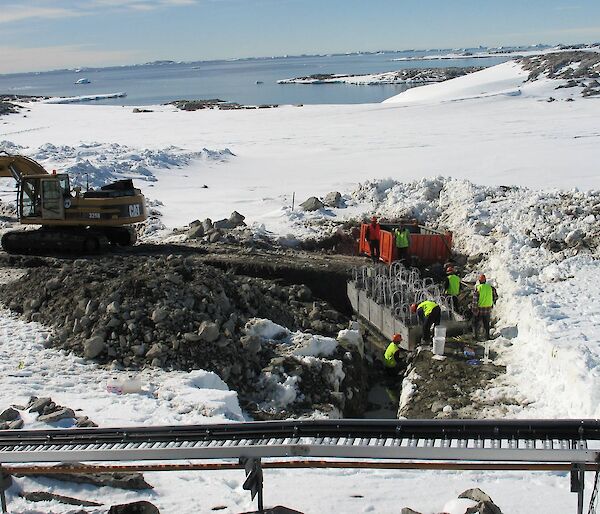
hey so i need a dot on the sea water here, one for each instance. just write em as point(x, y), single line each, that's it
point(247, 81)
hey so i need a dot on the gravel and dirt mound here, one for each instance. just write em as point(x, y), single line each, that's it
point(176, 312)
point(446, 388)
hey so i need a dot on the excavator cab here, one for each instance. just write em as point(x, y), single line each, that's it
point(45, 197)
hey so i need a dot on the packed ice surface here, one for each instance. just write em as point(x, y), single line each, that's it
point(485, 131)
point(83, 98)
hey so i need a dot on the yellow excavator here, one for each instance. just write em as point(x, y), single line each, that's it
point(71, 221)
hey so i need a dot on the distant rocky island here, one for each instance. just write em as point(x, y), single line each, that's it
point(215, 103)
point(407, 76)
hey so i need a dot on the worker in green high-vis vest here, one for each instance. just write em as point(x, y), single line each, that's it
point(391, 357)
point(452, 286)
point(402, 240)
point(429, 314)
point(484, 298)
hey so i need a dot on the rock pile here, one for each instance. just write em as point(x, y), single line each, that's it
point(8, 108)
point(173, 312)
point(229, 230)
point(579, 68)
point(47, 411)
point(333, 199)
point(215, 103)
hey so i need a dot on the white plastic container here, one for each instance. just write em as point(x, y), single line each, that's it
point(114, 385)
point(124, 385)
point(438, 345)
point(131, 384)
point(439, 331)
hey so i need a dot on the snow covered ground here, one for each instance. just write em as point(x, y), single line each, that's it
point(482, 131)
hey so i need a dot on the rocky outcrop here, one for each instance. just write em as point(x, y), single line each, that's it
point(8, 108)
point(48, 412)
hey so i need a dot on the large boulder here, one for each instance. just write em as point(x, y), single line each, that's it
point(159, 315)
point(215, 236)
point(475, 494)
point(208, 331)
point(196, 231)
point(129, 481)
point(156, 350)
point(333, 199)
point(485, 505)
point(236, 219)
point(9, 414)
point(223, 224)
point(574, 237)
point(44, 496)
point(140, 507)
point(38, 404)
point(53, 417)
point(93, 347)
point(312, 204)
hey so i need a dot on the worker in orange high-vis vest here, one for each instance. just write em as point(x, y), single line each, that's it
point(373, 235)
point(484, 298)
point(429, 314)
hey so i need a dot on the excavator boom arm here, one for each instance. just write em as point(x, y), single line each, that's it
point(18, 166)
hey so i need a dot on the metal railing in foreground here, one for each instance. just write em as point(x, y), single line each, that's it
point(541, 445)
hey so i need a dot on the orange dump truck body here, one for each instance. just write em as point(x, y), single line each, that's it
point(429, 246)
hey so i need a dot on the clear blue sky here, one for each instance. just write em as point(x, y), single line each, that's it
point(49, 34)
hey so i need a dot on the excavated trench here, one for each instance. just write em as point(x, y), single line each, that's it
point(327, 285)
point(437, 384)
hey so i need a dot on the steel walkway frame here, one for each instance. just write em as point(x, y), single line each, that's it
point(494, 442)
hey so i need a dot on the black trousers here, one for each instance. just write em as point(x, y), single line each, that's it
point(374, 245)
point(483, 318)
point(402, 254)
point(453, 302)
point(434, 318)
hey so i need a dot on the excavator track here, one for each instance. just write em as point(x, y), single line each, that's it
point(55, 241)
